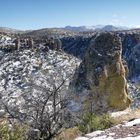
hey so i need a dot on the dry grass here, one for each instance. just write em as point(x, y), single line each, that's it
point(69, 134)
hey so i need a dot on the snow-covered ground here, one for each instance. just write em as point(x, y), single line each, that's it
point(24, 72)
point(108, 138)
point(6, 40)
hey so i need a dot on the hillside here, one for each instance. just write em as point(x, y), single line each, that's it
point(10, 30)
point(39, 68)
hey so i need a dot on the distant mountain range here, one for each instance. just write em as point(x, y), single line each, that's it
point(71, 31)
point(10, 30)
point(70, 28)
point(83, 28)
point(96, 28)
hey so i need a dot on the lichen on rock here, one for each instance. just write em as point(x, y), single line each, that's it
point(100, 82)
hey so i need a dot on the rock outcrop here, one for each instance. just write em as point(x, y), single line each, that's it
point(78, 45)
point(17, 43)
point(99, 83)
point(30, 42)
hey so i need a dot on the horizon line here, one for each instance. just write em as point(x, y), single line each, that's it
point(129, 27)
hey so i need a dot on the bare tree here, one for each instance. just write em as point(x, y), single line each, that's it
point(41, 105)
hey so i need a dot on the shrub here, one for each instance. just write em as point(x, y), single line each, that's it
point(92, 122)
point(15, 132)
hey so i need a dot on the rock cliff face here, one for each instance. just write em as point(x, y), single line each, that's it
point(134, 64)
point(130, 43)
point(131, 38)
point(76, 45)
point(100, 83)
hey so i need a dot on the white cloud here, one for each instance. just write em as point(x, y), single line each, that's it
point(137, 26)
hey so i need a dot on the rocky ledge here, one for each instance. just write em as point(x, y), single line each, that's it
point(126, 131)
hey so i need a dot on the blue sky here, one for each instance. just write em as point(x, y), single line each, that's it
point(35, 14)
